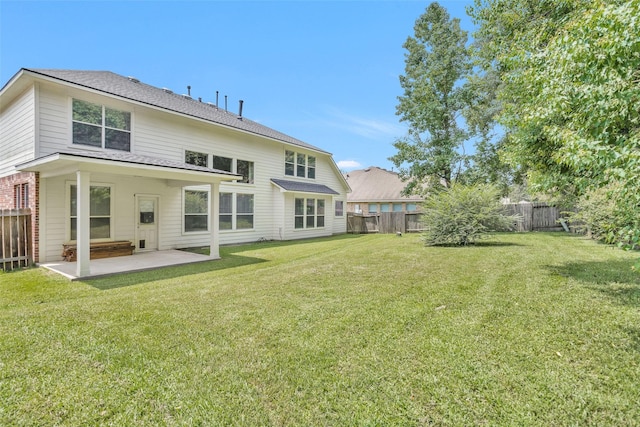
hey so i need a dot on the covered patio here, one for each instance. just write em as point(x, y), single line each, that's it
point(145, 184)
point(127, 264)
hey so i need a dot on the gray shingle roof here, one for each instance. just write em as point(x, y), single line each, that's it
point(134, 90)
point(303, 187)
point(142, 160)
point(376, 184)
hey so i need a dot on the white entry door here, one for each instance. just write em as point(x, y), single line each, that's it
point(147, 223)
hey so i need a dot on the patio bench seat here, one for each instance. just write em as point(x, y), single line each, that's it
point(99, 250)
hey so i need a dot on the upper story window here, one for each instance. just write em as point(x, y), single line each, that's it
point(299, 164)
point(197, 159)
point(242, 167)
point(99, 126)
point(222, 163)
point(245, 168)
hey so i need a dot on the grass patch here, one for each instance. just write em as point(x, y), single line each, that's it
point(529, 329)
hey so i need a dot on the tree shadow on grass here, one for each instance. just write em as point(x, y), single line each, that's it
point(231, 257)
point(616, 279)
point(130, 279)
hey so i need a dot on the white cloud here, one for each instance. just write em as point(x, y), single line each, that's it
point(362, 126)
point(348, 164)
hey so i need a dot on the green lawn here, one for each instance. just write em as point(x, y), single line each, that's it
point(528, 329)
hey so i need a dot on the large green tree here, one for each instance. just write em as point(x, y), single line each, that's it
point(570, 92)
point(437, 62)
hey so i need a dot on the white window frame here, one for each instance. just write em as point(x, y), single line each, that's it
point(309, 171)
point(184, 213)
point(112, 219)
point(103, 126)
point(231, 166)
point(21, 195)
point(234, 212)
point(306, 216)
point(199, 153)
point(251, 179)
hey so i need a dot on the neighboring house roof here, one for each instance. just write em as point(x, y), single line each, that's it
point(376, 184)
point(303, 187)
point(132, 89)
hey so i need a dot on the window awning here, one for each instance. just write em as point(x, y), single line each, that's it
point(302, 187)
point(63, 163)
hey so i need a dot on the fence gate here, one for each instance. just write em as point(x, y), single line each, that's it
point(536, 216)
point(15, 238)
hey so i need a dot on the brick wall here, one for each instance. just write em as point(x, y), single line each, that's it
point(8, 200)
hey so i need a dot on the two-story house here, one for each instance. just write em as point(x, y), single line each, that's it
point(100, 157)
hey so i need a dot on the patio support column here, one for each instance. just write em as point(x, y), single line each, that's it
point(83, 228)
point(214, 250)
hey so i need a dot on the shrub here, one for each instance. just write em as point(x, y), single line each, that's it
point(606, 216)
point(463, 214)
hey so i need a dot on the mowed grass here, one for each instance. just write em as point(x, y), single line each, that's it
point(527, 329)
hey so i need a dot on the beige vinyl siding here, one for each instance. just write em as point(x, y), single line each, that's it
point(279, 216)
point(17, 132)
point(123, 223)
point(165, 135)
point(339, 225)
point(54, 121)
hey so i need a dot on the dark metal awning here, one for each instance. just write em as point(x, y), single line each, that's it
point(302, 187)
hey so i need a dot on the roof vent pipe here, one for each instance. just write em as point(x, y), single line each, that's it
point(189, 90)
point(240, 112)
point(216, 99)
point(225, 103)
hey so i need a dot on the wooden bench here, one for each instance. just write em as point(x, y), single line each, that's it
point(99, 250)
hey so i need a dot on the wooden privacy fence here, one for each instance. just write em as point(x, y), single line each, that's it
point(538, 216)
point(533, 217)
point(384, 222)
point(15, 238)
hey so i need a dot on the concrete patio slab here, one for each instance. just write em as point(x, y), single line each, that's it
point(127, 264)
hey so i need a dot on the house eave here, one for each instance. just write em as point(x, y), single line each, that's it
point(58, 164)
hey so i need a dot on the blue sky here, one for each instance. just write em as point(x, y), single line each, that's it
point(325, 72)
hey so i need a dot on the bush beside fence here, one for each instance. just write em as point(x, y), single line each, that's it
point(534, 216)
